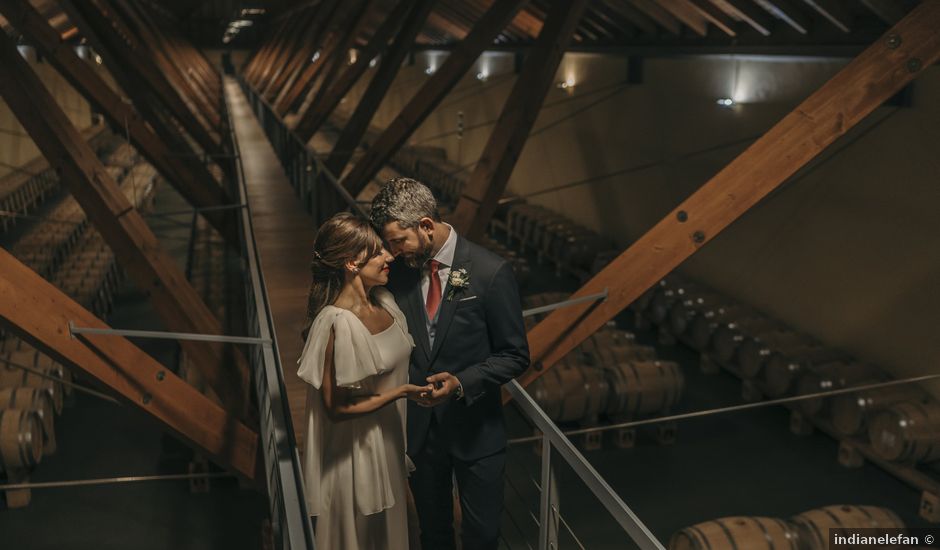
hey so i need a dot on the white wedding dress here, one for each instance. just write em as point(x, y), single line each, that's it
point(355, 470)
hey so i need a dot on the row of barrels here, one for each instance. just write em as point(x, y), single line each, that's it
point(608, 375)
point(810, 530)
point(568, 246)
point(33, 387)
point(520, 265)
point(25, 188)
point(900, 422)
point(44, 246)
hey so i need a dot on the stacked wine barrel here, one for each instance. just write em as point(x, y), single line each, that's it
point(609, 375)
point(809, 530)
point(900, 423)
point(71, 254)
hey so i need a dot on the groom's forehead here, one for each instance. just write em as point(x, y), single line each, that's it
point(394, 230)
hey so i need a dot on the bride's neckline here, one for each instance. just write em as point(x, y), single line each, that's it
point(384, 330)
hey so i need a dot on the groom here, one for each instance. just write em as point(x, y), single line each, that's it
point(463, 310)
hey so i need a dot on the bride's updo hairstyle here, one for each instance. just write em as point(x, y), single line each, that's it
point(341, 239)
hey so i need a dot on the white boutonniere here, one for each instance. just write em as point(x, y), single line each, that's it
point(459, 278)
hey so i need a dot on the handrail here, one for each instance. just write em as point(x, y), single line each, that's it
point(266, 113)
point(290, 521)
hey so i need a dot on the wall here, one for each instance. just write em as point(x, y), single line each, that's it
point(16, 147)
point(842, 251)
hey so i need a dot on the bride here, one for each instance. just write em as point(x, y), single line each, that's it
point(356, 362)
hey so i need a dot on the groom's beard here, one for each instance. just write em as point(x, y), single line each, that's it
point(421, 255)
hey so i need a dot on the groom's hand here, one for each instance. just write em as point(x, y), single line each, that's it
point(445, 384)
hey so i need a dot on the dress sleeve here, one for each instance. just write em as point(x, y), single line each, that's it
point(355, 354)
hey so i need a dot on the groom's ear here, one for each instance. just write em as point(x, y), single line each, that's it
point(427, 224)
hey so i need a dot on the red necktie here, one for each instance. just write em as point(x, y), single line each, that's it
point(434, 290)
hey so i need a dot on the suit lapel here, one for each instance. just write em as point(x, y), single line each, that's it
point(448, 307)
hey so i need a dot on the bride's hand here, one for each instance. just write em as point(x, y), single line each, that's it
point(414, 392)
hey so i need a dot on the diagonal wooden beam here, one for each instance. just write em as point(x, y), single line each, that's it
point(432, 93)
point(357, 125)
point(858, 89)
point(715, 16)
point(130, 65)
point(750, 13)
point(264, 58)
point(336, 57)
point(135, 246)
point(192, 180)
point(686, 13)
point(40, 313)
point(296, 49)
point(488, 181)
point(788, 13)
point(659, 14)
point(320, 108)
point(340, 32)
point(834, 12)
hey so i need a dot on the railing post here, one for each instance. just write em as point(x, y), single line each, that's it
point(548, 505)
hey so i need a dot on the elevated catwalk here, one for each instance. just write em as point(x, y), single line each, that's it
point(284, 236)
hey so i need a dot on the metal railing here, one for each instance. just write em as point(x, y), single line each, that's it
point(304, 167)
point(305, 171)
point(290, 522)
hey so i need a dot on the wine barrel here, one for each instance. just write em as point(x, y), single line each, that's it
point(703, 325)
point(814, 525)
point(755, 350)
point(642, 388)
point(738, 533)
point(833, 376)
point(613, 355)
point(729, 335)
point(11, 376)
point(36, 401)
point(688, 306)
point(851, 413)
point(784, 366)
point(571, 393)
point(20, 439)
point(907, 432)
point(658, 308)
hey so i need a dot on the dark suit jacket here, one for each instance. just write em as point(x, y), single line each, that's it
point(480, 339)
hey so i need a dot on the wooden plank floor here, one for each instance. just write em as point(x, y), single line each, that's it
point(284, 234)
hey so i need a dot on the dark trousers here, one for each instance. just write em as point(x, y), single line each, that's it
point(480, 484)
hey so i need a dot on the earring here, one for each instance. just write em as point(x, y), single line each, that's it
point(355, 271)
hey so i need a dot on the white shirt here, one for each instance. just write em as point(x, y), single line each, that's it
point(446, 258)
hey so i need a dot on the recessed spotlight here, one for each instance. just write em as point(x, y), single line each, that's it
point(725, 102)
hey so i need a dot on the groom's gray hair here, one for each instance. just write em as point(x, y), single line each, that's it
point(405, 201)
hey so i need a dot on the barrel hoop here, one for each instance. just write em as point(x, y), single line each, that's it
point(788, 530)
point(763, 528)
point(701, 536)
point(734, 545)
point(816, 533)
point(639, 394)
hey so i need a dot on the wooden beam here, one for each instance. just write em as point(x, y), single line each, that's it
point(357, 125)
point(340, 29)
point(788, 13)
point(320, 108)
point(264, 59)
point(295, 51)
point(192, 180)
point(444, 24)
point(336, 57)
point(715, 16)
point(486, 185)
point(686, 13)
point(135, 246)
point(659, 14)
point(636, 17)
point(432, 93)
point(858, 89)
point(40, 313)
point(833, 12)
point(745, 10)
point(133, 69)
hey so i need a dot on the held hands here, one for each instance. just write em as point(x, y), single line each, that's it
point(442, 385)
point(414, 392)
